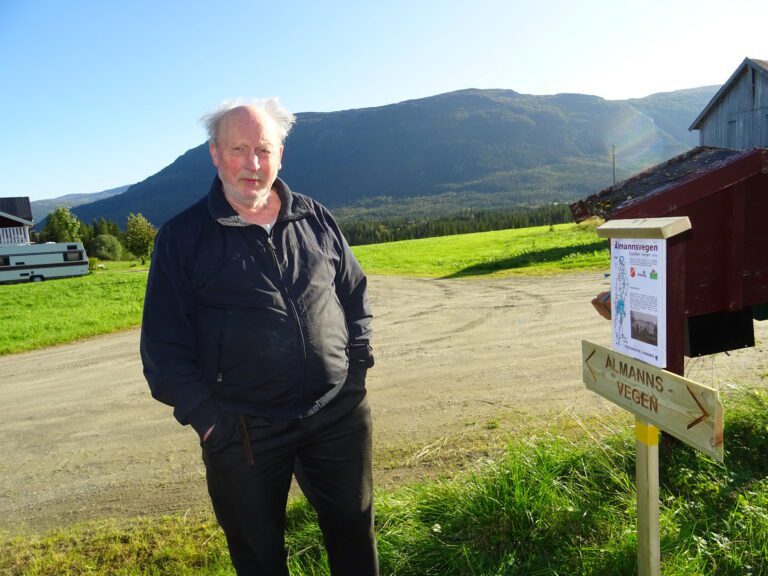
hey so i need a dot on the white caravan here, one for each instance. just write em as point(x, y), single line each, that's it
point(37, 262)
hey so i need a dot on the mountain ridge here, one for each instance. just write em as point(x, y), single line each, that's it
point(41, 208)
point(510, 148)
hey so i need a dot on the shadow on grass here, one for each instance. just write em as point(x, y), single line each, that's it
point(528, 258)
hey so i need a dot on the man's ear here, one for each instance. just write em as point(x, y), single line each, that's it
point(214, 153)
point(280, 158)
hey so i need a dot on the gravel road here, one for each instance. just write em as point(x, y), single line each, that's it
point(83, 439)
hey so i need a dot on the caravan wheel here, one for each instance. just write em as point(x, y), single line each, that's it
point(36, 279)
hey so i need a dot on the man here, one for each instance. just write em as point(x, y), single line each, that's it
point(257, 331)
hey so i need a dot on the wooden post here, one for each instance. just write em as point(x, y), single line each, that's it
point(647, 482)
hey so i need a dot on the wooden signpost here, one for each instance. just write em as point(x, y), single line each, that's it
point(683, 408)
point(658, 398)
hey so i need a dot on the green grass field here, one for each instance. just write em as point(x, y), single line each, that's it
point(43, 314)
point(539, 250)
point(58, 311)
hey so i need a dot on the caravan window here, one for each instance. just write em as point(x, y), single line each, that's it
point(73, 256)
point(5, 261)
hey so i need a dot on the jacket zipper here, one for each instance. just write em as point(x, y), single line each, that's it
point(219, 371)
point(290, 302)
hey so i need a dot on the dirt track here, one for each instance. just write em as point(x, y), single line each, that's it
point(83, 438)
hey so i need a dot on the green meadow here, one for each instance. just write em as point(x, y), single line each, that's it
point(41, 314)
point(538, 250)
point(59, 311)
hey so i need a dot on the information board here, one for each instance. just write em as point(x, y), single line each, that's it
point(638, 298)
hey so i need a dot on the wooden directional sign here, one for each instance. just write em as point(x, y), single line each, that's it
point(683, 408)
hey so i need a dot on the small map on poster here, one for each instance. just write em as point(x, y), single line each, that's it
point(639, 299)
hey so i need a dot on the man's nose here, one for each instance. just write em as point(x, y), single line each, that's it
point(253, 162)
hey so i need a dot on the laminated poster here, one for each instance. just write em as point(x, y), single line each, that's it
point(639, 298)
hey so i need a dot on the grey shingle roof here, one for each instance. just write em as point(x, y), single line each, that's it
point(19, 207)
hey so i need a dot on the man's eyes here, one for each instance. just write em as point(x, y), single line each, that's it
point(260, 151)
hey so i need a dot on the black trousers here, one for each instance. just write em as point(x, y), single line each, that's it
point(249, 463)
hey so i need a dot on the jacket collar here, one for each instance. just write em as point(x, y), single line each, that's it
point(292, 207)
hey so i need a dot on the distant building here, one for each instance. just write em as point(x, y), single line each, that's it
point(22, 261)
point(15, 220)
point(737, 115)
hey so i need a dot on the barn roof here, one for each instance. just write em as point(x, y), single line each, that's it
point(17, 208)
point(673, 172)
point(763, 64)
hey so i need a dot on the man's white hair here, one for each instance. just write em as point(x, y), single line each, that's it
point(280, 115)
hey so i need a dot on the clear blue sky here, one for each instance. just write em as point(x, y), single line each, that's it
point(98, 94)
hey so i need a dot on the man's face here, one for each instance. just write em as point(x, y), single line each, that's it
point(247, 154)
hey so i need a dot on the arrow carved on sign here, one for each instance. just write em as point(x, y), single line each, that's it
point(704, 413)
point(587, 363)
point(656, 396)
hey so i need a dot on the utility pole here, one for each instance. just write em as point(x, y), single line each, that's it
point(613, 158)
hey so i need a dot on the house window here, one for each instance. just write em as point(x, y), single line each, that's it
point(73, 256)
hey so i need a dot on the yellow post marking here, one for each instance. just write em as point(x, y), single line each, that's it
point(648, 434)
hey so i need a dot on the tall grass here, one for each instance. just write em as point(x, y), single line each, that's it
point(553, 505)
point(176, 545)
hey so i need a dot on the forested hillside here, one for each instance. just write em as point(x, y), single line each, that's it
point(480, 149)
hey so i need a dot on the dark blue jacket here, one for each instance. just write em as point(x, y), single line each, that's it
point(257, 323)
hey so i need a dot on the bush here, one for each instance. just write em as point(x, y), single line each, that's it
point(107, 247)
